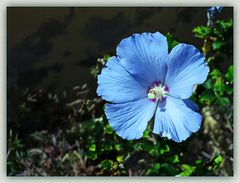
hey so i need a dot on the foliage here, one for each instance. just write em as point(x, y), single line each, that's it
point(71, 135)
point(171, 41)
point(216, 94)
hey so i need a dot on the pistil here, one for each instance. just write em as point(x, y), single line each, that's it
point(158, 92)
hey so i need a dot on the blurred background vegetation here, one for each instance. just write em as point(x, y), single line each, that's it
point(55, 122)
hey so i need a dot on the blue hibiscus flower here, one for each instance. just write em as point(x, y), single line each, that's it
point(144, 80)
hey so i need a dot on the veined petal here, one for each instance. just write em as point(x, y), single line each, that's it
point(186, 67)
point(116, 85)
point(176, 120)
point(144, 55)
point(129, 120)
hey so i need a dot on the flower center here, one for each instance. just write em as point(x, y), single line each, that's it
point(158, 92)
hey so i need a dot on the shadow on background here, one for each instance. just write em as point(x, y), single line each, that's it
point(55, 47)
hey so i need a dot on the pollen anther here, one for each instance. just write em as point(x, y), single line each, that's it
point(158, 92)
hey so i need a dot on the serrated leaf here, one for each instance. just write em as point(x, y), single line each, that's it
point(201, 31)
point(225, 24)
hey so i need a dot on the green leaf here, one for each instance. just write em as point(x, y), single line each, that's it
point(217, 45)
point(157, 166)
point(223, 101)
point(174, 159)
point(154, 152)
point(228, 88)
point(153, 170)
point(198, 162)
point(92, 155)
point(106, 57)
point(225, 24)
point(207, 97)
point(65, 157)
point(219, 86)
point(215, 74)
point(107, 164)
point(208, 84)
point(120, 159)
point(218, 160)
point(108, 129)
point(145, 133)
point(165, 150)
point(92, 147)
point(108, 146)
point(171, 42)
point(170, 169)
point(187, 170)
point(117, 147)
point(229, 74)
point(202, 31)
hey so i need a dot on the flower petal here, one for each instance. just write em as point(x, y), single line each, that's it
point(175, 120)
point(186, 67)
point(116, 85)
point(144, 55)
point(129, 120)
point(190, 104)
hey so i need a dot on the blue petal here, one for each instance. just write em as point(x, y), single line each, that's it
point(190, 104)
point(186, 67)
point(176, 121)
point(144, 55)
point(129, 120)
point(116, 85)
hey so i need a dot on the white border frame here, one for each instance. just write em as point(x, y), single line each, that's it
point(61, 3)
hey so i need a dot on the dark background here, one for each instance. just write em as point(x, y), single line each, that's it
point(54, 48)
